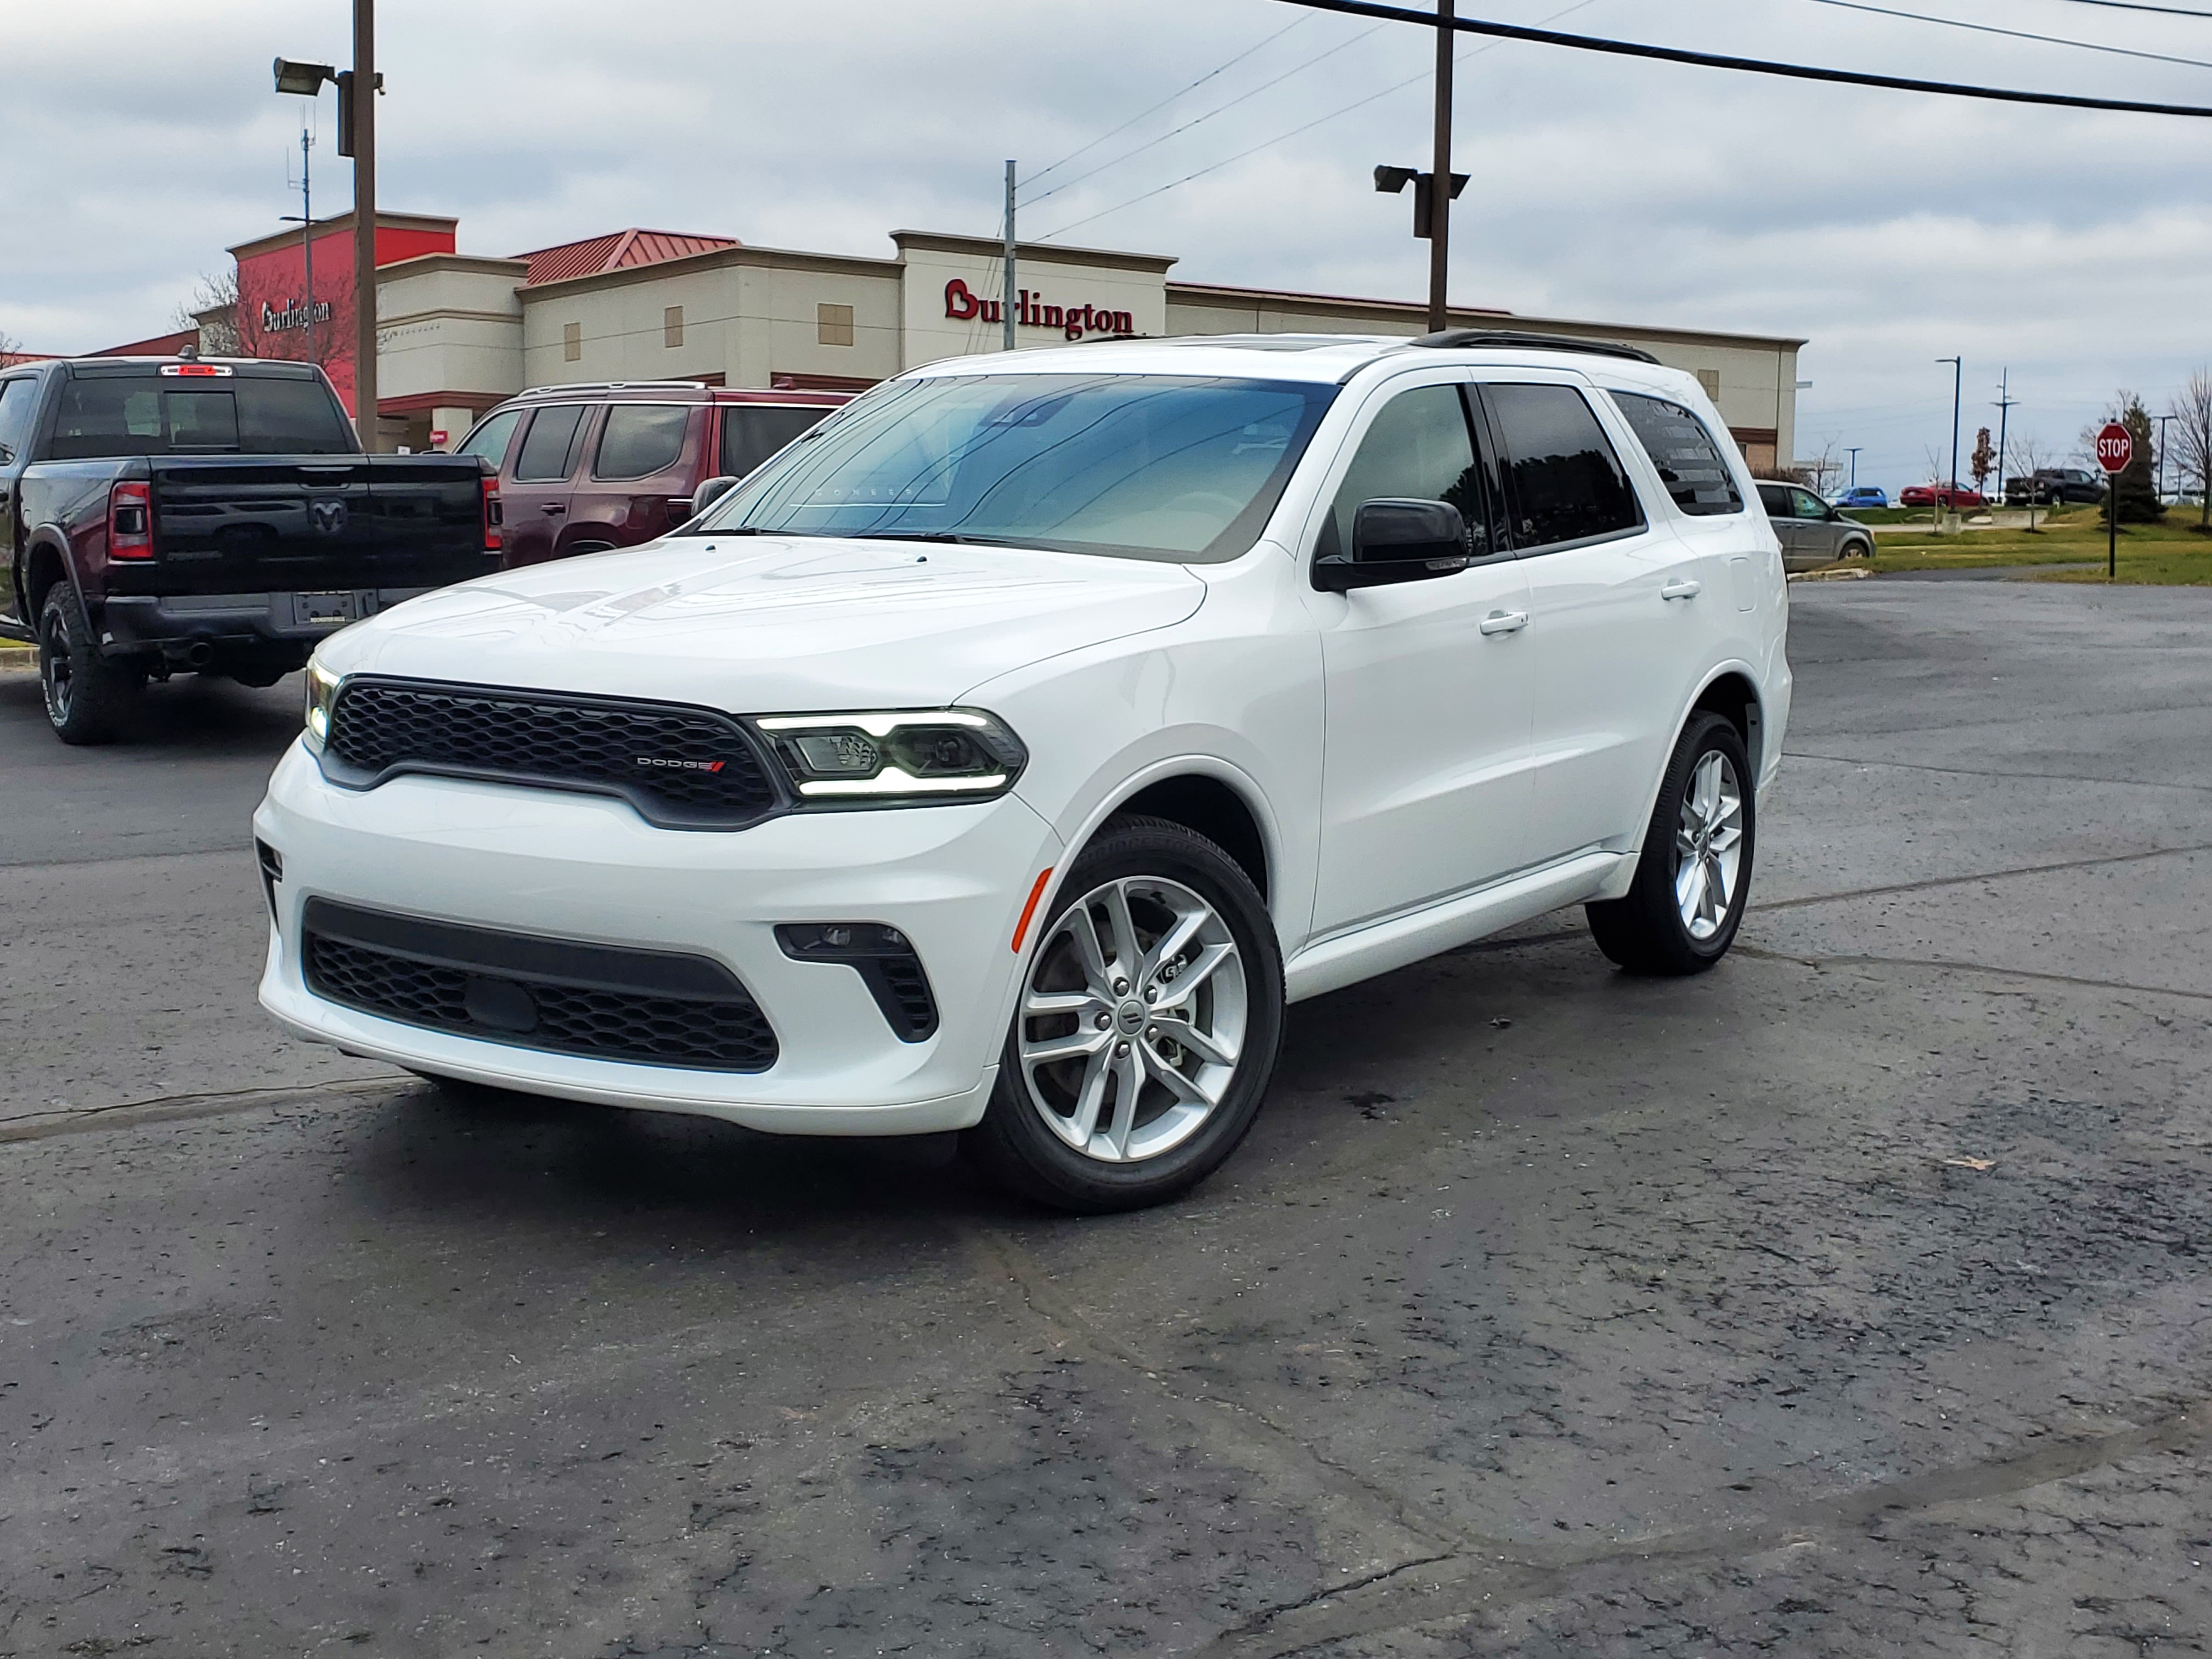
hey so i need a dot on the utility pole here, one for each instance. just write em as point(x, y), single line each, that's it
point(1006, 305)
point(1440, 191)
point(307, 234)
point(1853, 451)
point(1951, 484)
point(363, 149)
point(2005, 401)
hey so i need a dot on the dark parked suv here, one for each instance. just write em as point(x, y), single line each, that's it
point(586, 468)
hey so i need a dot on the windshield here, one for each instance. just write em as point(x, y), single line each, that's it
point(1140, 467)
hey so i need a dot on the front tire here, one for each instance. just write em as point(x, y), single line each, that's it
point(89, 699)
point(1150, 1017)
point(1692, 883)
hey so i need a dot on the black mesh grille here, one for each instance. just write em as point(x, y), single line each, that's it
point(686, 769)
point(495, 1002)
point(905, 988)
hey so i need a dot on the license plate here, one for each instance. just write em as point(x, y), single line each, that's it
point(318, 609)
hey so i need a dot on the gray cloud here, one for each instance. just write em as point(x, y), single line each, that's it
point(1886, 228)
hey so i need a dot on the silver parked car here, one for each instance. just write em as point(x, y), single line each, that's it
point(1810, 531)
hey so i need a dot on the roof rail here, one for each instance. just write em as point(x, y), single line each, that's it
point(1454, 339)
point(562, 388)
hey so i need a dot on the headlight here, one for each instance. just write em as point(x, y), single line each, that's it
point(322, 692)
point(937, 754)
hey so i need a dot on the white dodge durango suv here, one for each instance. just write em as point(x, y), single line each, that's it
point(1007, 753)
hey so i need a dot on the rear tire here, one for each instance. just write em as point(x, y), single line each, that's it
point(89, 698)
point(1682, 912)
point(1159, 934)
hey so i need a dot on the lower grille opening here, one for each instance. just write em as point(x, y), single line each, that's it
point(883, 958)
point(641, 1007)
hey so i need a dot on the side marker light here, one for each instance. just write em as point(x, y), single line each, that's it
point(1029, 910)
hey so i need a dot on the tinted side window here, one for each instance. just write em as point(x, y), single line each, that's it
point(639, 440)
point(545, 452)
point(1774, 499)
point(1564, 481)
point(753, 432)
point(1418, 449)
point(16, 397)
point(1690, 463)
point(490, 437)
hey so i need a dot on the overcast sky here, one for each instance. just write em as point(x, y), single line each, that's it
point(1888, 228)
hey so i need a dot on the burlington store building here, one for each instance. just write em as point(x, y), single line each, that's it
point(459, 331)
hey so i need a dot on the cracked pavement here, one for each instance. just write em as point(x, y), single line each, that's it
point(1851, 1299)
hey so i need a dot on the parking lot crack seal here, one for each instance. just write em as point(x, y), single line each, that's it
point(1946, 965)
point(175, 1108)
point(1266, 1441)
point(1934, 881)
point(1489, 1582)
point(1993, 772)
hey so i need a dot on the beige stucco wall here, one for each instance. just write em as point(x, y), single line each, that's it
point(449, 322)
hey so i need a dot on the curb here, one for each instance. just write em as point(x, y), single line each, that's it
point(1855, 572)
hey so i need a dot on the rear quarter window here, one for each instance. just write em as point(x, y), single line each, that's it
point(1690, 464)
point(639, 440)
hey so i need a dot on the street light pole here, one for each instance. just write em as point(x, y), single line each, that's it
point(1951, 484)
point(2158, 487)
point(364, 223)
point(1853, 451)
point(1440, 192)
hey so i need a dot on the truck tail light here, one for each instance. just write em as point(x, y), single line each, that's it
point(130, 520)
point(492, 515)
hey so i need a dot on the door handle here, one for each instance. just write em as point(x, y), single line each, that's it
point(1685, 589)
point(553, 506)
point(1503, 622)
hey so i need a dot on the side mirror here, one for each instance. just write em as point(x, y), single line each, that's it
point(711, 491)
point(1396, 541)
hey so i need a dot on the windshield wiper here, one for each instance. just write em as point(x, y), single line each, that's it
point(956, 537)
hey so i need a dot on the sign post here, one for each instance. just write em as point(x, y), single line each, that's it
point(2116, 448)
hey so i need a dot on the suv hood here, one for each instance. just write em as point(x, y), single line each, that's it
point(752, 625)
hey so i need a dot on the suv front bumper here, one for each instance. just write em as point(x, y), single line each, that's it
point(586, 869)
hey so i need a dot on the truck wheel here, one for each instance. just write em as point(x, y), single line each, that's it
point(88, 698)
point(1681, 914)
point(1149, 1019)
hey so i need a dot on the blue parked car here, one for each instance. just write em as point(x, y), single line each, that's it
point(1864, 495)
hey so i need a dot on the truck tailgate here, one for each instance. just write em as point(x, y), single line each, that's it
point(245, 524)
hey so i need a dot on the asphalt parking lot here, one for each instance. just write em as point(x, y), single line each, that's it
point(1851, 1299)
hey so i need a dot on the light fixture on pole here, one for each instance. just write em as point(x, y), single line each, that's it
point(1431, 224)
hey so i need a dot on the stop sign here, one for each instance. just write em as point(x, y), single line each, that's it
point(2115, 449)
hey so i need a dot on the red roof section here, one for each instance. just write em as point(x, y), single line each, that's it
point(162, 346)
point(616, 251)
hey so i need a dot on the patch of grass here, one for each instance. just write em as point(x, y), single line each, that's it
point(2174, 552)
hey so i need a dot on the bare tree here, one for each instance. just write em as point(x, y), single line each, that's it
point(1823, 469)
point(2192, 425)
point(10, 348)
point(2033, 458)
point(213, 310)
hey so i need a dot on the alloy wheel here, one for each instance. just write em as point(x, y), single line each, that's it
point(55, 671)
point(1708, 845)
point(1133, 1019)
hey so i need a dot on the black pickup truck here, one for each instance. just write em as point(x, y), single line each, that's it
point(162, 514)
point(2050, 485)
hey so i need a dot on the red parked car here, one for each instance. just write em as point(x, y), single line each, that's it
point(1954, 494)
point(589, 467)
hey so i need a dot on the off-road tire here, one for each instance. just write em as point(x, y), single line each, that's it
point(89, 698)
point(1013, 1144)
point(1645, 933)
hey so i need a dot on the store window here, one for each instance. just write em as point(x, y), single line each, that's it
point(572, 343)
point(833, 325)
point(1711, 380)
point(1691, 464)
point(1562, 478)
point(672, 327)
point(641, 440)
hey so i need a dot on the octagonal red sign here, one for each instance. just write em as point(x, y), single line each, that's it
point(2115, 447)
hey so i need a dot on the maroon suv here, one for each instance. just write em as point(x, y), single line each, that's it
point(585, 468)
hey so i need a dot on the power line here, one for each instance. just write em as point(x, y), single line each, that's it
point(1749, 65)
point(1361, 103)
point(2137, 5)
point(1194, 120)
point(1169, 99)
point(2017, 34)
